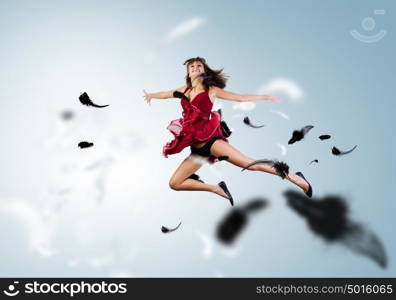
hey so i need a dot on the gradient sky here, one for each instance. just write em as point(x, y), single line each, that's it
point(98, 212)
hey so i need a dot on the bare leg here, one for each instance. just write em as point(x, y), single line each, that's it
point(180, 181)
point(222, 148)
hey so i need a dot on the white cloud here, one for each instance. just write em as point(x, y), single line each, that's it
point(244, 106)
point(39, 225)
point(207, 249)
point(282, 114)
point(216, 171)
point(237, 116)
point(231, 252)
point(218, 274)
point(75, 262)
point(101, 261)
point(283, 148)
point(183, 28)
point(283, 85)
point(121, 274)
point(217, 105)
point(174, 33)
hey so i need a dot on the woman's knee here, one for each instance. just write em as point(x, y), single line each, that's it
point(174, 184)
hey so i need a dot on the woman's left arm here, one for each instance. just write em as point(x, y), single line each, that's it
point(227, 95)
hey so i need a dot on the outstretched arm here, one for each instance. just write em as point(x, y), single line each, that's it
point(226, 95)
point(161, 95)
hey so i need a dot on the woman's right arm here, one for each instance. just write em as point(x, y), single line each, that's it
point(161, 95)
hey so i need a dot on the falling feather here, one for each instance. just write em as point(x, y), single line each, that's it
point(234, 223)
point(167, 230)
point(298, 135)
point(85, 144)
point(84, 99)
point(281, 168)
point(67, 115)
point(325, 137)
point(246, 120)
point(329, 218)
point(338, 152)
point(260, 161)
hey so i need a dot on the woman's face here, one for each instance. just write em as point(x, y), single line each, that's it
point(195, 68)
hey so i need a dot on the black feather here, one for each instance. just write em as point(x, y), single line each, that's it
point(255, 204)
point(84, 99)
point(305, 129)
point(324, 137)
point(234, 223)
point(315, 160)
point(330, 219)
point(85, 144)
point(260, 161)
point(281, 168)
point(231, 226)
point(167, 230)
point(67, 115)
point(246, 120)
point(298, 135)
point(335, 151)
point(338, 152)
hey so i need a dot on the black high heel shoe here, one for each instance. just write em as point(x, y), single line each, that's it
point(309, 192)
point(225, 189)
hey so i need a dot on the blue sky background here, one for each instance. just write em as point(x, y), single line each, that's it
point(97, 212)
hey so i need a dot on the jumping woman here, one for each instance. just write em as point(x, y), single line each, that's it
point(200, 128)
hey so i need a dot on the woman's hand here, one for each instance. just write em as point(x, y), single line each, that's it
point(272, 99)
point(147, 97)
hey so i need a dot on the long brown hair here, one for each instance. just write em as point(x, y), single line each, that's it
point(212, 77)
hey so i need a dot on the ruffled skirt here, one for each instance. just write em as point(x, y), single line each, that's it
point(188, 132)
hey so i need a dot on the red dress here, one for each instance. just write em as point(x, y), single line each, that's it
point(199, 124)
